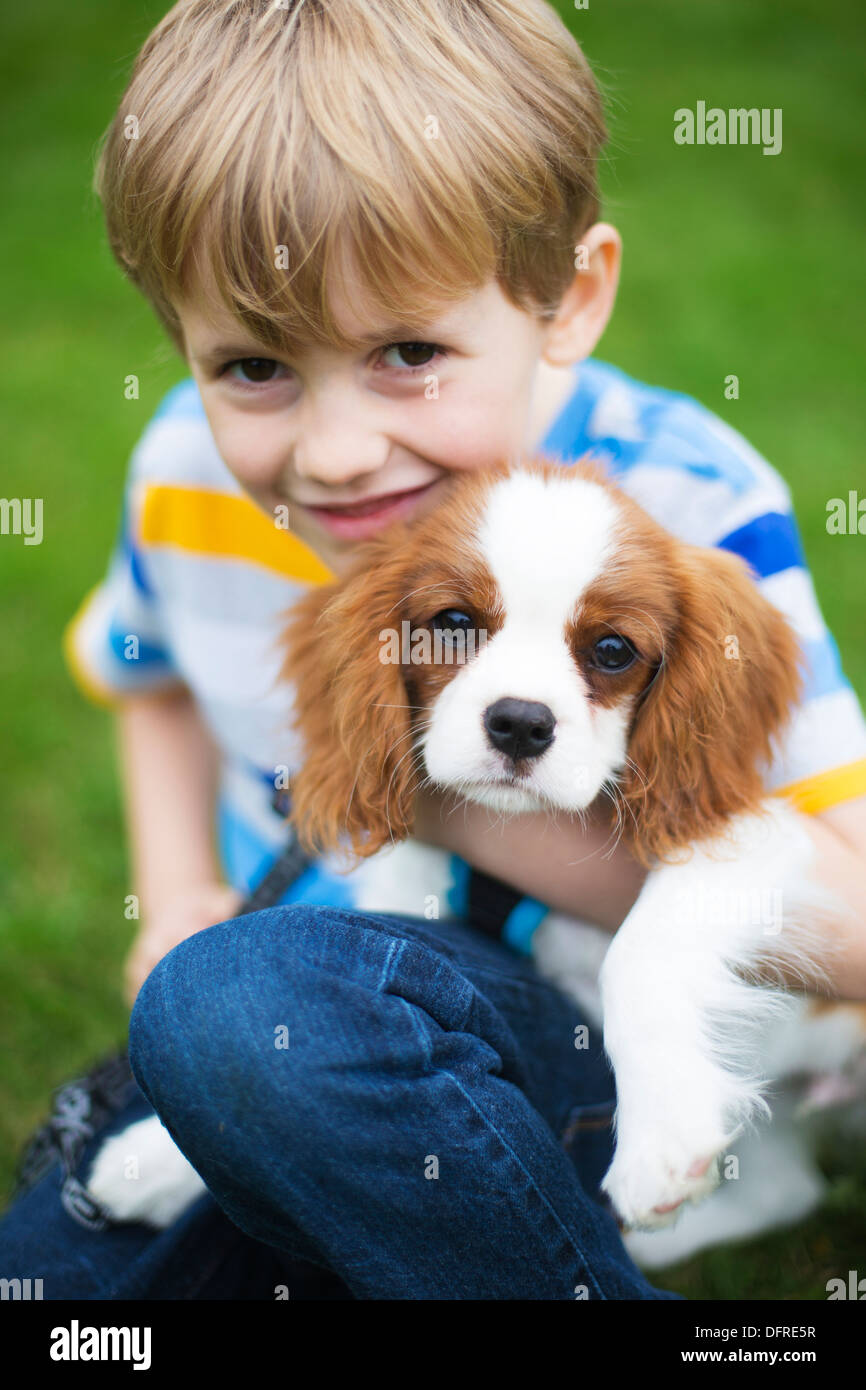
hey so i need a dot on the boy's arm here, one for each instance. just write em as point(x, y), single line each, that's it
point(574, 869)
point(570, 869)
point(839, 837)
point(170, 767)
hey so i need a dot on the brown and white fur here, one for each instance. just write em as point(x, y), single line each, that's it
point(547, 563)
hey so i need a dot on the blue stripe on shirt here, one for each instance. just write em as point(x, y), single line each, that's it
point(522, 923)
point(136, 569)
point(246, 860)
point(148, 654)
point(770, 543)
point(566, 438)
point(672, 430)
point(823, 669)
point(130, 553)
point(243, 855)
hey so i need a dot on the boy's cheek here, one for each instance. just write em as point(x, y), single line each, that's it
point(253, 452)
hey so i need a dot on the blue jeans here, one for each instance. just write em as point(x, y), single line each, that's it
point(382, 1107)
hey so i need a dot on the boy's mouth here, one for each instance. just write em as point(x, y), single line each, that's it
point(363, 519)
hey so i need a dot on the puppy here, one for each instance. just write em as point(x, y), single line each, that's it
point(538, 642)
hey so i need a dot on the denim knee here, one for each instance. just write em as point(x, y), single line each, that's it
point(266, 1011)
point(218, 1005)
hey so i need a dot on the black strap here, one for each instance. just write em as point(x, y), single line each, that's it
point(280, 876)
point(81, 1108)
point(489, 903)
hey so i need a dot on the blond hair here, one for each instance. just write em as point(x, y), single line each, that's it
point(443, 142)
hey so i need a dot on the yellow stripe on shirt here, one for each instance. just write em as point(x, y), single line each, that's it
point(86, 680)
point(218, 523)
point(815, 794)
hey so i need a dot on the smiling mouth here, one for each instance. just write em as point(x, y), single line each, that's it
point(371, 505)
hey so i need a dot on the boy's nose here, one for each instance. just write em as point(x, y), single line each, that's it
point(339, 457)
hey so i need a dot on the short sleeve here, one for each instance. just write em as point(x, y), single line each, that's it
point(821, 759)
point(706, 484)
point(116, 644)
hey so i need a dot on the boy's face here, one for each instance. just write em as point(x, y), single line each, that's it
point(331, 432)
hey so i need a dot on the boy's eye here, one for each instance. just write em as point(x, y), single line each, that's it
point(255, 369)
point(415, 355)
point(258, 371)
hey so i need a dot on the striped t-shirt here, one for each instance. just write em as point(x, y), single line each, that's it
point(200, 581)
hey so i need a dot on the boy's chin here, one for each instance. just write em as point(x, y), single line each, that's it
point(336, 555)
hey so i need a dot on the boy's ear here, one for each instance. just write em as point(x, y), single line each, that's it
point(352, 712)
point(702, 736)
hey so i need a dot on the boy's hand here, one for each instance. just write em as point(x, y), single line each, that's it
point(182, 917)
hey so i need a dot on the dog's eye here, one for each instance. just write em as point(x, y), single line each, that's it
point(613, 653)
point(450, 622)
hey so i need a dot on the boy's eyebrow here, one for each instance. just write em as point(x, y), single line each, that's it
point(213, 356)
point(396, 333)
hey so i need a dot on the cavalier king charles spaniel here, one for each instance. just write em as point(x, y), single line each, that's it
point(539, 643)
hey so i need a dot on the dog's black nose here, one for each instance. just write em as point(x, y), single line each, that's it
point(520, 728)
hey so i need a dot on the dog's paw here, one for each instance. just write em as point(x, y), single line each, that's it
point(650, 1180)
point(141, 1175)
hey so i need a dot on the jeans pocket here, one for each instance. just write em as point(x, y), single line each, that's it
point(588, 1139)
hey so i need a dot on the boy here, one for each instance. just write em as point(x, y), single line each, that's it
point(306, 193)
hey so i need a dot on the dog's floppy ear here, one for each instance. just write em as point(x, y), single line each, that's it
point(352, 711)
point(703, 733)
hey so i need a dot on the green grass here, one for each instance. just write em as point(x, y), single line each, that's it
point(734, 263)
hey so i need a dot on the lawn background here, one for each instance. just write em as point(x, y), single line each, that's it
point(735, 262)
